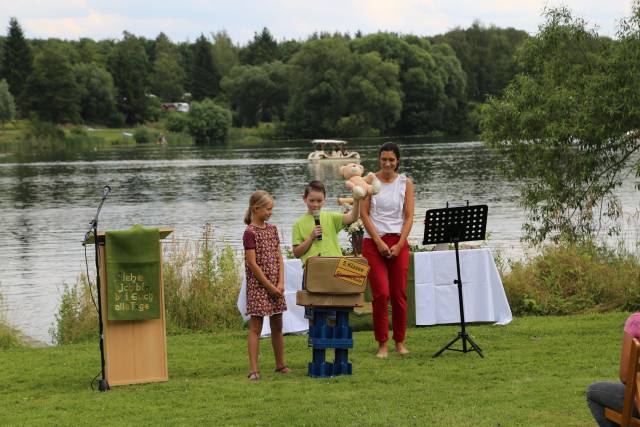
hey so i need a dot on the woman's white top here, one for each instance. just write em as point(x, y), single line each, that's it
point(387, 207)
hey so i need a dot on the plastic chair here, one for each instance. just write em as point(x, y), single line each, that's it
point(625, 418)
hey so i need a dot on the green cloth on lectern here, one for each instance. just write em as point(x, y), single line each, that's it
point(133, 273)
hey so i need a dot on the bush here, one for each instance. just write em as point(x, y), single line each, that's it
point(153, 108)
point(78, 131)
point(77, 317)
point(209, 123)
point(201, 285)
point(176, 121)
point(355, 125)
point(38, 130)
point(8, 335)
point(144, 135)
point(574, 279)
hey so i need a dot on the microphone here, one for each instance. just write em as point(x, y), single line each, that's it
point(105, 191)
point(316, 219)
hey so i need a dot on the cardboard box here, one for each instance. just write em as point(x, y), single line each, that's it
point(336, 275)
point(309, 299)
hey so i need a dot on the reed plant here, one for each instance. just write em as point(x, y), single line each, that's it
point(201, 280)
point(571, 279)
point(8, 335)
point(77, 316)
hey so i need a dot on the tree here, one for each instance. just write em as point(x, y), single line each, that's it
point(336, 91)
point(486, 55)
point(205, 79)
point(51, 91)
point(129, 67)
point(288, 48)
point(567, 126)
point(374, 96)
point(209, 123)
point(167, 77)
point(320, 75)
point(262, 49)
point(97, 95)
point(7, 104)
point(225, 54)
point(17, 59)
point(423, 82)
point(257, 92)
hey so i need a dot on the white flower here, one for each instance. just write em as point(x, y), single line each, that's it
point(356, 227)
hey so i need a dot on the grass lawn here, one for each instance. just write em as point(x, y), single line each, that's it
point(534, 373)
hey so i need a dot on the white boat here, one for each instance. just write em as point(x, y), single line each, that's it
point(331, 149)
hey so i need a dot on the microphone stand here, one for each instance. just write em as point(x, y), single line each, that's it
point(103, 385)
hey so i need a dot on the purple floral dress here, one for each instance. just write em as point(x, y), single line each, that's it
point(265, 241)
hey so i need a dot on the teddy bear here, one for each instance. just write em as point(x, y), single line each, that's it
point(361, 187)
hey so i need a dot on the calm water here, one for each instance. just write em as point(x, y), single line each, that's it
point(47, 201)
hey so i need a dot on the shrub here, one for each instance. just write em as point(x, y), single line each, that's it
point(78, 131)
point(179, 138)
point(201, 283)
point(574, 279)
point(176, 121)
point(209, 123)
point(77, 317)
point(8, 335)
point(39, 130)
point(355, 125)
point(144, 135)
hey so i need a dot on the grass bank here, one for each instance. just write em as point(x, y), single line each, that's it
point(25, 136)
point(534, 374)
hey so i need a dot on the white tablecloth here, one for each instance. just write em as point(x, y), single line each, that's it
point(437, 295)
point(293, 319)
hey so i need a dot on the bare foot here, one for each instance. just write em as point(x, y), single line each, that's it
point(400, 348)
point(383, 351)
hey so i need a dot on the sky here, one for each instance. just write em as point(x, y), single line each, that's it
point(185, 20)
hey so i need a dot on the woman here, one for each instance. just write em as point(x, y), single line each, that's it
point(387, 219)
point(611, 394)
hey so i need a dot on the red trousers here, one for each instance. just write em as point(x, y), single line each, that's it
point(388, 280)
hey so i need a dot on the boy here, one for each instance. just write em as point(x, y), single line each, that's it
point(306, 234)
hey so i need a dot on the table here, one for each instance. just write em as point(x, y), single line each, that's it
point(293, 319)
point(437, 296)
point(432, 292)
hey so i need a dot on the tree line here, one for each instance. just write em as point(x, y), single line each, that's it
point(326, 85)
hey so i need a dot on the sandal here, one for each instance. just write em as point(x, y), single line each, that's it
point(284, 370)
point(254, 376)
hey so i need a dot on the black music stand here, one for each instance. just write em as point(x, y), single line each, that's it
point(454, 225)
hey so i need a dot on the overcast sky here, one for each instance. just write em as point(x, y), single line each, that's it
point(184, 20)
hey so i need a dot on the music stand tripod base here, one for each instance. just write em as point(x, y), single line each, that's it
point(455, 225)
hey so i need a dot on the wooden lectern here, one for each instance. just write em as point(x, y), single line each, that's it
point(135, 351)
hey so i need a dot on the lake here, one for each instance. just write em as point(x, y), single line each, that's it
point(48, 199)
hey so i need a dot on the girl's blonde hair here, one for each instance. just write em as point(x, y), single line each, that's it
point(259, 199)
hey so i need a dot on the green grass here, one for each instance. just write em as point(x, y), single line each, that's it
point(534, 374)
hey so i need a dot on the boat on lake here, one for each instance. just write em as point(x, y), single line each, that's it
point(331, 149)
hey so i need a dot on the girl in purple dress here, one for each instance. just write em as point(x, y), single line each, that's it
point(264, 270)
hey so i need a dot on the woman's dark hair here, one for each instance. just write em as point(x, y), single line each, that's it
point(314, 186)
point(390, 146)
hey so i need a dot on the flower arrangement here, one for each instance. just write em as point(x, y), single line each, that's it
point(355, 227)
